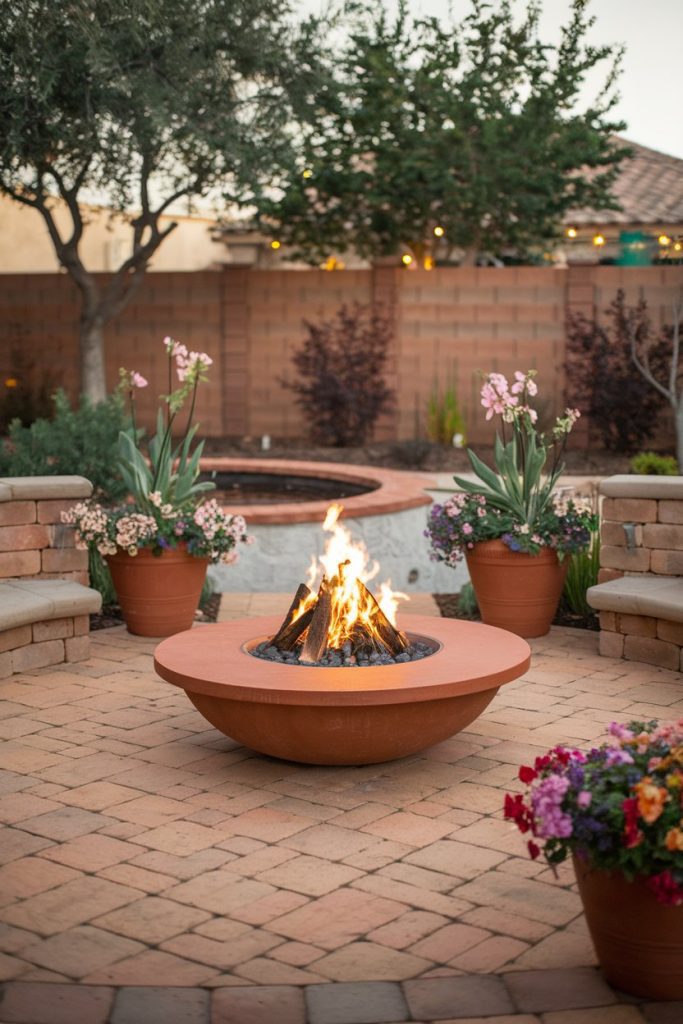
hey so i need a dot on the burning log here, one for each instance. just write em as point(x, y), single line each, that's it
point(291, 629)
point(393, 640)
point(316, 638)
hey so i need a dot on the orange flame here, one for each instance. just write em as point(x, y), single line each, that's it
point(343, 565)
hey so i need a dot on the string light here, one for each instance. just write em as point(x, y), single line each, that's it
point(275, 244)
point(678, 246)
point(406, 259)
point(664, 240)
point(439, 231)
point(598, 240)
point(571, 232)
point(428, 263)
point(11, 382)
point(307, 173)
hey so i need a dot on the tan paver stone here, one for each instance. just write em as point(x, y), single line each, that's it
point(89, 769)
point(414, 896)
point(330, 842)
point(259, 860)
point(23, 878)
point(435, 881)
point(359, 961)
point(296, 954)
point(226, 954)
point(220, 892)
point(336, 919)
point(182, 867)
point(263, 1005)
point(472, 797)
point(456, 858)
point(123, 830)
point(270, 907)
point(362, 815)
point(407, 929)
point(508, 924)
point(11, 967)
point(152, 967)
point(490, 955)
point(378, 855)
point(264, 971)
point(148, 881)
point(268, 824)
point(151, 778)
point(310, 875)
point(68, 905)
point(305, 808)
point(45, 1003)
point(507, 1018)
point(532, 899)
point(150, 811)
point(152, 919)
point(14, 939)
point(26, 760)
point(443, 945)
point(561, 950)
point(411, 829)
point(92, 852)
point(79, 951)
point(545, 991)
point(492, 833)
point(17, 807)
point(603, 1015)
point(180, 838)
point(15, 844)
point(435, 999)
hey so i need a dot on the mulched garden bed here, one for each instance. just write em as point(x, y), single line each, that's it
point(448, 605)
point(111, 614)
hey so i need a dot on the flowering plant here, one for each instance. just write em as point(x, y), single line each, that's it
point(515, 502)
point(164, 508)
point(618, 807)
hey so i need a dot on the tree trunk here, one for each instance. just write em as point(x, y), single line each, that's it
point(679, 434)
point(93, 375)
point(469, 258)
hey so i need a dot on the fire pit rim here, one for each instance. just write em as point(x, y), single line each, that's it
point(186, 660)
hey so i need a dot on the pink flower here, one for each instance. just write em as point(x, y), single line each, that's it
point(137, 380)
point(584, 799)
point(467, 528)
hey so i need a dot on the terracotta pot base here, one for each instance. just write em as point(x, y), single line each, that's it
point(158, 594)
point(638, 941)
point(341, 716)
point(515, 590)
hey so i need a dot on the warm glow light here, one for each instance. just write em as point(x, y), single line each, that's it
point(664, 240)
point(439, 231)
point(11, 382)
point(308, 173)
point(406, 259)
point(428, 263)
point(678, 246)
point(275, 244)
point(571, 232)
point(598, 240)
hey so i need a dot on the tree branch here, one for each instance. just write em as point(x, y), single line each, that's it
point(644, 367)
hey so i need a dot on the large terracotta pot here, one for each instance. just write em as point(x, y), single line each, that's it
point(516, 591)
point(638, 941)
point(158, 594)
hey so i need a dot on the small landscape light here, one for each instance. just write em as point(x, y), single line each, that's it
point(664, 240)
point(439, 231)
point(11, 382)
point(406, 259)
point(428, 263)
point(275, 244)
point(678, 246)
point(598, 240)
point(571, 232)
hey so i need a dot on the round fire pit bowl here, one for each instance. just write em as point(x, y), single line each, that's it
point(341, 716)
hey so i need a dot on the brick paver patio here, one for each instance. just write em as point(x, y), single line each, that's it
point(153, 870)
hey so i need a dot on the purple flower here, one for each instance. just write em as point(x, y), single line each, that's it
point(546, 801)
point(616, 756)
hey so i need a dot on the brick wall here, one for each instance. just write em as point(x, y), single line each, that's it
point(449, 323)
point(657, 541)
point(35, 545)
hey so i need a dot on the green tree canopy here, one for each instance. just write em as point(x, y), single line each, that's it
point(141, 103)
point(473, 128)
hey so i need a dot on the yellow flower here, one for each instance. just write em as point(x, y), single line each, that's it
point(651, 799)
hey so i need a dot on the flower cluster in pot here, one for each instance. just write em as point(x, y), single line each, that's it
point(165, 508)
point(516, 501)
point(618, 808)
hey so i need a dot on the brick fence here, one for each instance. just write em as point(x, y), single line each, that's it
point(449, 323)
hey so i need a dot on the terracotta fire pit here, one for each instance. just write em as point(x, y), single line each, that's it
point(344, 716)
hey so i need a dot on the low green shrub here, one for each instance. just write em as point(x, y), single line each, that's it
point(445, 422)
point(582, 573)
point(467, 601)
point(80, 441)
point(652, 464)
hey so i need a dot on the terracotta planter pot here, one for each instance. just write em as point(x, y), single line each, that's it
point(158, 594)
point(516, 591)
point(638, 941)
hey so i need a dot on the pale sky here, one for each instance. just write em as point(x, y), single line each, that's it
point(650, 84)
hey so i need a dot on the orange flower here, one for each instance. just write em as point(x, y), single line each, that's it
point(674, 840)
point(651, 799)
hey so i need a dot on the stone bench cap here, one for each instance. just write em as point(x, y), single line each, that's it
point(32, 488)
point(660, 597)
point(634, 486)
point(25, 601)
